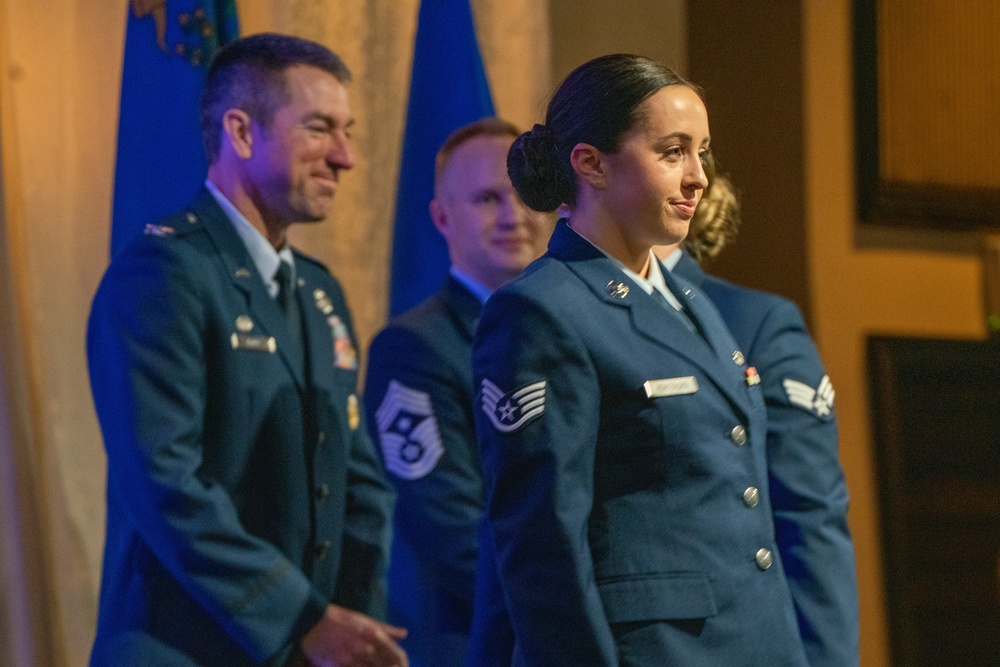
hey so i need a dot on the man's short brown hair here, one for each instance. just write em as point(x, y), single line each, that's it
point(484, 127)
point(249, 74)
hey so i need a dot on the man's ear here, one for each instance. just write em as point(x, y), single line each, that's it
point(589, 164)
point(236, 126)
point(439, 217)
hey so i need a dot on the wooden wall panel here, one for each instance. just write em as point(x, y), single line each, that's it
point(938, 92)
point(936, 413)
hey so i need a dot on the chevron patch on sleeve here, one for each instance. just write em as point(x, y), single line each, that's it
point(510, 411)
point(819, 400)
point(408, 432)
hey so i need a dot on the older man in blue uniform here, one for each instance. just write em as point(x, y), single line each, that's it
point(247, 515)
point(419, 392)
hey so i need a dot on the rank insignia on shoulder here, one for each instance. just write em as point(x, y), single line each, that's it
point(408, 432)
point(344, 354)
point(158, 230)
point(818, 401)
point(510, 411)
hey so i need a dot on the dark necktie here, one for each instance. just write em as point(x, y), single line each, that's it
point(287, 300)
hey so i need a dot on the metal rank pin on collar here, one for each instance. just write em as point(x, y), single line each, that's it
point(738, 358)
point(244, 323)
point(616, 290)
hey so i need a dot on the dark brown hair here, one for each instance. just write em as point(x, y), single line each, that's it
point(596, 104)
point(249, 74)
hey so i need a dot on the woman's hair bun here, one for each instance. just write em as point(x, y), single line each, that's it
point(533, 166)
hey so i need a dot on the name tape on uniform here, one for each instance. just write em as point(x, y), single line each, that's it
point(242, 341)
point(671, 386)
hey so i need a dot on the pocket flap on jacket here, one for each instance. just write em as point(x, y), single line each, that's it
point(657, 597)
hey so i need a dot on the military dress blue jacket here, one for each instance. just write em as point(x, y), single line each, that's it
point(418, 394)
point(808, 491)
point(625, 474)
point(243, 493)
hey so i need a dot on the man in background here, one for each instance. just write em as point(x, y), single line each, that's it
point(247, 514)
point(419, 392)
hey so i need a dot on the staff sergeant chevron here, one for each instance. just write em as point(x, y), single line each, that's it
point(512, 410)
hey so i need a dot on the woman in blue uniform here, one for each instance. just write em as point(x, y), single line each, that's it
point(622, 433)
point(808, 490)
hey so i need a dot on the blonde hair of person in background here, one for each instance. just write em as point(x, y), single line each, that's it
point(717, 220)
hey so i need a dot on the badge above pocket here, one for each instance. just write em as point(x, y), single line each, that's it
point(242, 341)
point(678, 386)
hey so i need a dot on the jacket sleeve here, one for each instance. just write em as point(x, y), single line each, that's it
point(808, 490)
point(148, 371)
point(439, 502)
point(491, 637)
point(538, 468)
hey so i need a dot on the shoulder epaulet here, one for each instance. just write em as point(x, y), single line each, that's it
point(158, 230)
point(309, 258)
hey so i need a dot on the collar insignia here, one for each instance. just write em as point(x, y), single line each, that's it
point(616, 290)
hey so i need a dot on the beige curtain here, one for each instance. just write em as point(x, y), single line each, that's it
point(60, 64)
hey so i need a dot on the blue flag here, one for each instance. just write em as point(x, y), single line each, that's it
point(448, 89)
point(161, 162)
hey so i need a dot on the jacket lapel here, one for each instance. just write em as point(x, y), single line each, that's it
point(689, 270)
point(320, 325)
point(263, 310)
point(704, 310)
point(463, 306)
point(648, 316)
point(710, 323)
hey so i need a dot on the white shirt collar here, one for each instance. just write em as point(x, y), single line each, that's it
point(479, 290)
point(654, 281)
point(670, 261)
point(263, 254)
